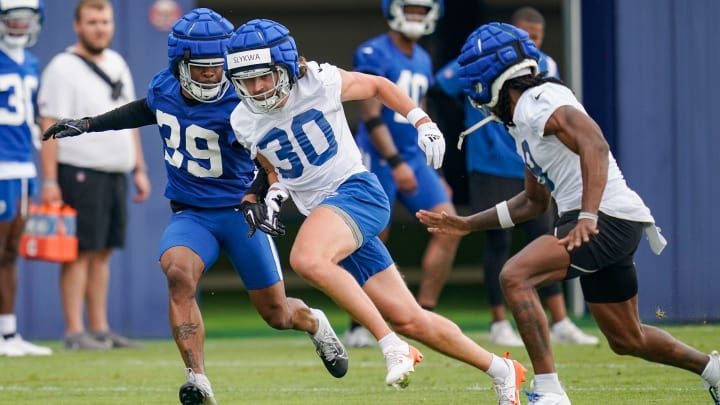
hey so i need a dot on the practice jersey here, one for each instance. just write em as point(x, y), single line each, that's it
point(308, 140)
point(412, 74)
point(556, 166)
point(203, 168)
point(18, 129)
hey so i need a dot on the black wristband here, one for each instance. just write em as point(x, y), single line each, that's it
point(373, 123)
point(395, 160)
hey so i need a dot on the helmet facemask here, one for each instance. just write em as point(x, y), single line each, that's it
point(414, 25)
point(268, 100)
point(19, 28)
point(202, 92)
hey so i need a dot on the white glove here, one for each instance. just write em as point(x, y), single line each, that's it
point(432, 142)
point(276, 194)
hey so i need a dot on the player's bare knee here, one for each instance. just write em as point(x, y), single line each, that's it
point(625, 345)
point(180, 280)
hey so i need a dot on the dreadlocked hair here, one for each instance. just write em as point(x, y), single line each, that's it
point(503, 108)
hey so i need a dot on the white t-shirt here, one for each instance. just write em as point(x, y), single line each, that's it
point(71, 89)
point(556, 166)
point(308, 140)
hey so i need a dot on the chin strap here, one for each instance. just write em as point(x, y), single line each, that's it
point(474, 128)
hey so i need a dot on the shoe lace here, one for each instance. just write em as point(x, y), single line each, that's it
point(532, 397)
point(713, 390)
point(505, 394)
point(326, 347)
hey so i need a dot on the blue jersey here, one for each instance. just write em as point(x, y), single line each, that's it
point(18, 91)
point(490, 149)
point(203, 169)
point(414, 75)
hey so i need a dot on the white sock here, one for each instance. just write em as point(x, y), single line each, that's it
point(711, 373)
point(498, 368)
point(388, 341)
point(8, 324)
point(548, 383)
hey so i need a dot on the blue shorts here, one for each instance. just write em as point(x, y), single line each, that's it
point(11, 194)
point(361, 202)
point(208, 231)
point(430, 190)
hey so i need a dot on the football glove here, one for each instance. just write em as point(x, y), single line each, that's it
point(432, 143)
point(254, 214)
point(67, 127)
point(271, 225)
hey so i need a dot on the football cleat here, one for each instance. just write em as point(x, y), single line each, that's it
point(508, 388)
point(548, 398)
point(196, 390)
point(401, 361)
point(17, 346)
point(328, 346)
point(713, 387)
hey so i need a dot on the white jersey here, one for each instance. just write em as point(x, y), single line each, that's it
point(556, 166)
point(71, 89)
point(308, 140)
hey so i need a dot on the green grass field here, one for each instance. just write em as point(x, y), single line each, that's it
point(248, 363)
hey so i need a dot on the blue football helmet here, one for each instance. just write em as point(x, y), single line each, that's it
point(492, 54)
point(410, 25)
point(199, 39)
point(259, 48)
point(20, 22)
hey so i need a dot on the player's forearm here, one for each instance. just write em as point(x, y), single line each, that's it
point(135, 114)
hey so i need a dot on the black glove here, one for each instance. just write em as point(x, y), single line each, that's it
point(254, 214)
point(272, 226)
point(67, 127)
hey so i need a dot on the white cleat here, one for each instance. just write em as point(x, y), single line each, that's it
point(17, 346)
point(548, 398)
point(713, 386)
point(196, 390)
point(502, 334)
point(508, 389)
point(567, 332)
point(401, 361)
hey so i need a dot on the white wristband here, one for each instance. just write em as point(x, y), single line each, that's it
point(587, 215)
point(415, 115)
point(503, 214)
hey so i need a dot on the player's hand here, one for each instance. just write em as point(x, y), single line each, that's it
point(271, 225)
point(254, 214)
point(432, 142)
point(580, 234)
point(404, 178)
point(67, 127)
point(444, 223)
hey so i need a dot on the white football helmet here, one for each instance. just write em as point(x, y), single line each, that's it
point(20, 22)
point(413, 25)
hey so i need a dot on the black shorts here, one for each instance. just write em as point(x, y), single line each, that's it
point(605, 265)
point(100, 199)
